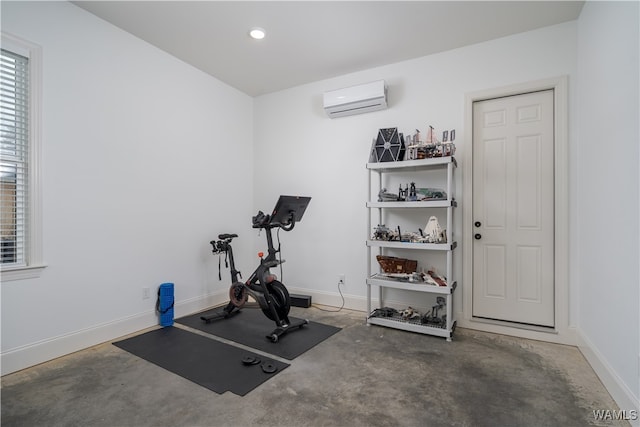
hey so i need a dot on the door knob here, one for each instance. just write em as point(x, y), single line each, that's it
point(477, 224)
point(477, 236)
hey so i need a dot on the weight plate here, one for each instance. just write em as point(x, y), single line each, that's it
point(250, 360)
point(269, 368)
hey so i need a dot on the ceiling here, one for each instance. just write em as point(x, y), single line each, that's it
point(309, 41)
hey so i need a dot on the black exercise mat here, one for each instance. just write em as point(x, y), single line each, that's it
point(205, 361)
point(250, 327)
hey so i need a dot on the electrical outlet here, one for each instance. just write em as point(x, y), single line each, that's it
point(341, 279)
point(146, 293)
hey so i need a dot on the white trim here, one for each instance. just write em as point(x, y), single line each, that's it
point(35, 264)
point(351, 302)
point(20, 273)
point(32, 354)
point(333, 299)
point(16, 44)
point(562, 332)
point(619, 391)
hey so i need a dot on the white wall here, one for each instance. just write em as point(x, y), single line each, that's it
point(310, 154)
point(607, 214)
point(140, 169)
point(307, 153)
point(134, 190)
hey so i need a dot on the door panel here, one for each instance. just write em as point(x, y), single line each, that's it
point(495, 268)
point(528, 183)
point(513, 193)
point(528, 271)
point(495, 184)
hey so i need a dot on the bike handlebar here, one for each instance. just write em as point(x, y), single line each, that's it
point(264, 221)
point(260, 220)
point(222, 245)
point(290, 225)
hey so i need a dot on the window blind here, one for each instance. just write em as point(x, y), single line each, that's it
point(14, 157)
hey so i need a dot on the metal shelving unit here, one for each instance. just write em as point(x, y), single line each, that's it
point(381, 282)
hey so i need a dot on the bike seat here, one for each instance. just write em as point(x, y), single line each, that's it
point(226, 236)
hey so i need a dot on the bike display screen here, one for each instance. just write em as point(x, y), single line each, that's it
point(288, 206)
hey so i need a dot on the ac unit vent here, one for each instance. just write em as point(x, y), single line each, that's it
point(356, 99)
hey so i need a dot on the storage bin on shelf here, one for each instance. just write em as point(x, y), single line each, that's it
point(391, 264)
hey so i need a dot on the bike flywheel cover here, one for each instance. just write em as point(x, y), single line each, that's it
point(279, 298)
point(238, 294)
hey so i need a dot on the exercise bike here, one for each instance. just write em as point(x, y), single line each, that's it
point(269, 293)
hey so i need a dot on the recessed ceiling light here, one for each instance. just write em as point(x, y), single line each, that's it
point(257, 33)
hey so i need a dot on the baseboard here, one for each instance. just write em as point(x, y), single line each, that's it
point(43, 351)
point(332, 299)
point(566, 336)
point(29, 355)
point(616, 387)
point(33, 354)
point(351, 302)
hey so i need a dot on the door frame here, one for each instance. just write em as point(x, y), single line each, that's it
point(562, 332)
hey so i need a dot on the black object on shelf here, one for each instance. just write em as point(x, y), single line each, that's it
point(388, 146)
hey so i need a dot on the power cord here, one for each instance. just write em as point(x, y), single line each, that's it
point(280, 255)
point(341, 307)
point(282, 278)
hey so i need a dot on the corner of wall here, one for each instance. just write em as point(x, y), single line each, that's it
point(623, 396)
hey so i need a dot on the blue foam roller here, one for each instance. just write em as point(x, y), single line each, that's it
point(164, 305)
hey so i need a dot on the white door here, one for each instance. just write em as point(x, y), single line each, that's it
point(513, 212)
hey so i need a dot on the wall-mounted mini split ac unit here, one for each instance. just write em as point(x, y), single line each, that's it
point(356, 99)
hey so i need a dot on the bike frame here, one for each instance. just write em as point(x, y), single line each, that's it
point(257, 284)
point(259, 279)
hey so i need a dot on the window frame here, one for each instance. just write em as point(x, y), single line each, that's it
point(34, 263)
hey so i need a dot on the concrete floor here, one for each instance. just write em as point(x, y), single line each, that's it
point(361, 376)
